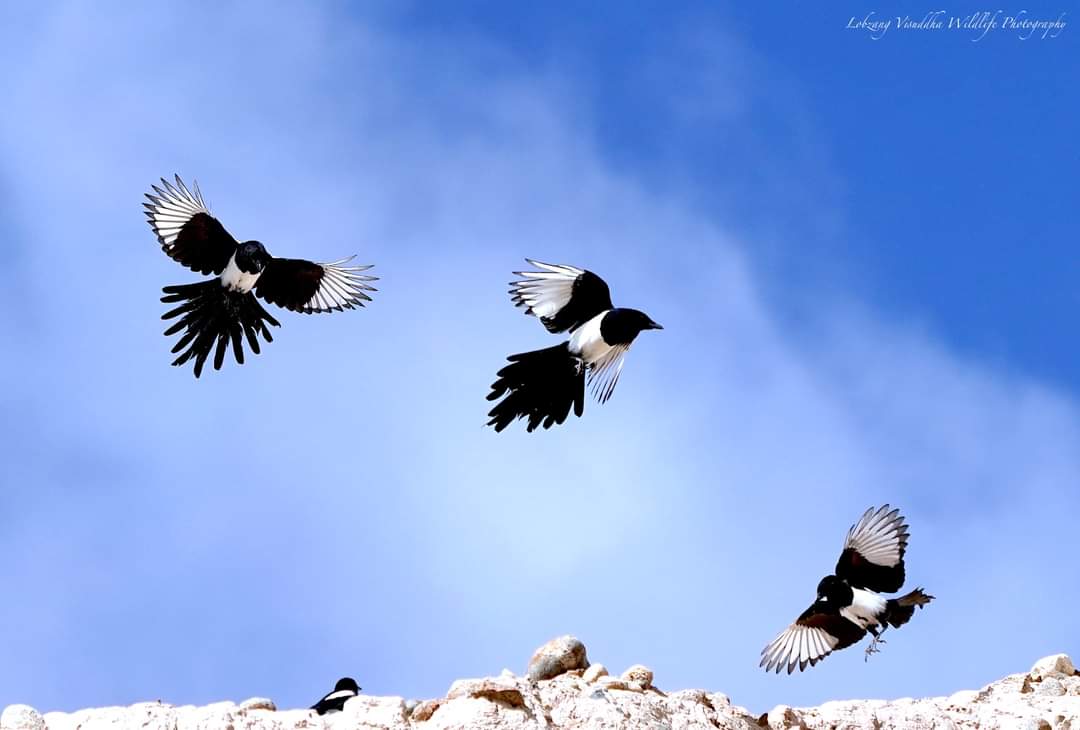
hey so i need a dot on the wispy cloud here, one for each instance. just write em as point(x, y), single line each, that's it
point(336, 507)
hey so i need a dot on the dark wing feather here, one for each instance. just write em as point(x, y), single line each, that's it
point(187, 232)
point(308, 287)
point(542, 386)
point(873, 555)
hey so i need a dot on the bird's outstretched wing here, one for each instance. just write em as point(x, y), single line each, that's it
point(308, 287)
point(813, 636)
point(563, 297)
point(604, 374)
point(186, 230)
point(873, 555)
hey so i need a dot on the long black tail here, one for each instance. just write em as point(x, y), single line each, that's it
point(542, 385)
point(900, 610)
point(211, 313)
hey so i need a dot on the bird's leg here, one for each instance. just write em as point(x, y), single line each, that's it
point(873, 646)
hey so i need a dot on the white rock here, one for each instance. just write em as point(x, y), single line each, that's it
point(962, 698)
point(379, 711)
point(424, 710)
point(219, 714)
point(21, 717)
point(593, 673)
point(1051, 666)
point(281, 719)
point(1035, 723)
point(258, 703)
point(507, 702)
point(464, 713)
point(609, 682)
point(1051, 686)
point(719, 699)
point(640, 674)
point(781, 717)
point(495, 689)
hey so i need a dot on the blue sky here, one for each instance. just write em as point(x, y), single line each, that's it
point(861, 251)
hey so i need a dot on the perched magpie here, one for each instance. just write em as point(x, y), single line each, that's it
point(850, 603)
point(222, 309)
point(544, 384)
point(345, 689)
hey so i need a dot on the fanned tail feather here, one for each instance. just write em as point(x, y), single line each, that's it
point(900, 610)
point(212, 317)
point(541, 385)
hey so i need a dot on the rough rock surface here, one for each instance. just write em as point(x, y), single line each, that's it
point(21, 717)
point(557, 656)
point(1045, 698)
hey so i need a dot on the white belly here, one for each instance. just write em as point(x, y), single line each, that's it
point(586, 341)
point(865, 607)
point(236, 280)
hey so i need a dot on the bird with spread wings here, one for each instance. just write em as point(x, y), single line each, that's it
point(224, 311)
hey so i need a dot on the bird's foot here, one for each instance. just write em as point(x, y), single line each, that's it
point(873, 647)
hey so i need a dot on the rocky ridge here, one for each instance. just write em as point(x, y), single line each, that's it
point(562, 689)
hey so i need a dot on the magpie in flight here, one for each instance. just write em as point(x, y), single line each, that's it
point(850, 603)
point(221, 310)
point(345, 689)
point(543, 385)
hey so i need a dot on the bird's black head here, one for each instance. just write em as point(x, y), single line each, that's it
point(621, 326)
point(834, 591)
point(251, 257)
point(346, 683)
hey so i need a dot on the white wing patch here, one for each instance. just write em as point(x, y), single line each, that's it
point(544, 293)
point(797, 646)
point(341, 287)
point(604, 373)
point(865, 609)
point(880, 536)
point(172, 207)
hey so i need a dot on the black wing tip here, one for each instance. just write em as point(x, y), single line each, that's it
point(920, 597)
point(884, 513)
point(176, 188)
point(776, 667)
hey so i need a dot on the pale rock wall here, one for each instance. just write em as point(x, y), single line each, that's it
point(584, 696)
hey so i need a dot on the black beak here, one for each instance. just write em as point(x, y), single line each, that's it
point(654, 325)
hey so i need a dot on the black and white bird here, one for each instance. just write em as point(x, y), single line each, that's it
point(849, 604)
point(544, 384)
point(345, 689)
point(222, 310)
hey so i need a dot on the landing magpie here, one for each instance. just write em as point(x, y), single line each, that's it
point(345, 689)
point(220, 310)
point(849, 603)
point(543, 385)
